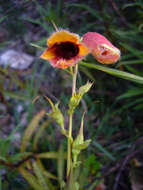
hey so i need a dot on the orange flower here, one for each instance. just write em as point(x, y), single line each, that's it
point(101, 48)
point(64, 49)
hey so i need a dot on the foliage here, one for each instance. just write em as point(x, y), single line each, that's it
point(114, 105)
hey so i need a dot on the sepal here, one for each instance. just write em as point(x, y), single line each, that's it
point(79, 144)
point(77, 96)
point(85, 88)
point(57, 115)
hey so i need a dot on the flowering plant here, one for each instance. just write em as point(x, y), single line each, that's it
point(65, 50)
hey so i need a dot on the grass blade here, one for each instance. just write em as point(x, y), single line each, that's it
point(30, 129)
point(32, 180)
point(48, 155)
point(41, 179)
point(102, 149)
point(115, 72)
point(131, 93)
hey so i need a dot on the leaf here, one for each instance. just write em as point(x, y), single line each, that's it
point(134, 51)
point(30, 130)
point(3, 158)
point(60, 165)
point(43, 175)
point(57, 115)
point(131, 93)
point(49, 175)
point(88, 73)
point(85, 88)
point(40, 176)
point(102, 149)
point(133, 103)
point(34, 21)
point(2, 18)
point(44, 171)
point(16, 95)
point(114, 72)
point(48, 155)
point(37, 46)
point(77, 96)
point(82, 146)
point(89, 9)
point(19, 156)
point(131, 62)
point(39, 134)
point(30, 178)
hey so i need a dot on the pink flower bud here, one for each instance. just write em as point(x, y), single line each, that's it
point(101, 48)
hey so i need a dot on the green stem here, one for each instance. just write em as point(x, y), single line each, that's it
point(74, 79)
point(69, 158)
point(69, 154)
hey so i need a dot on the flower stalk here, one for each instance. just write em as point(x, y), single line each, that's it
point(69, 148)
point(74, 79)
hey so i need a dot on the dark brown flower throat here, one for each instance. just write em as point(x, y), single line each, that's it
point(66, 50)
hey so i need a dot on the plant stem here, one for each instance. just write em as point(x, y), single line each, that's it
point(74, 79)
point(69, 154)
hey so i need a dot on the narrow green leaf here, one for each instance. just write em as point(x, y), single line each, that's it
point(46, 173)
point(138, 107)
point(2, 18)
point(39, 134)
point(49, 175)
point(3, 158)
point(88, 73)
point(131, 62)
point(19, 156)
point(86, 7)
point(40, 176)
point(137, 72)
point(34, 21)
point(32, 180)
point(134, 51)
point(102, 149)
point(16, 95)
point(133, 103)
point(60, 164)
point(48, 155)
point(37, 46)
point(30, 129)
point(115, 72)
point(131, 93)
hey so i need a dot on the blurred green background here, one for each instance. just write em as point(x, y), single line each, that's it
point(114, 120)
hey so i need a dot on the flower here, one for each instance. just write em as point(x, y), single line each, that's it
point(101, 48)
point(64, 49)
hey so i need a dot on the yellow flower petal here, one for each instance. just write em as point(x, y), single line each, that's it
point(62, 36)
point(48, 54)
point(83, 51)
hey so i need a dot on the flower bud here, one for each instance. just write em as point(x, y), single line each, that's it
point(101, 48)
point(79, 143)
point(75, 99)
point(57, 115)
point(85, 88)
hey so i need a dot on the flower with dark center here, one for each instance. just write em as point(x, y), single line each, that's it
point(64, 49)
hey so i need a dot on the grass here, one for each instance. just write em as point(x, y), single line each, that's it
point(114, 117)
